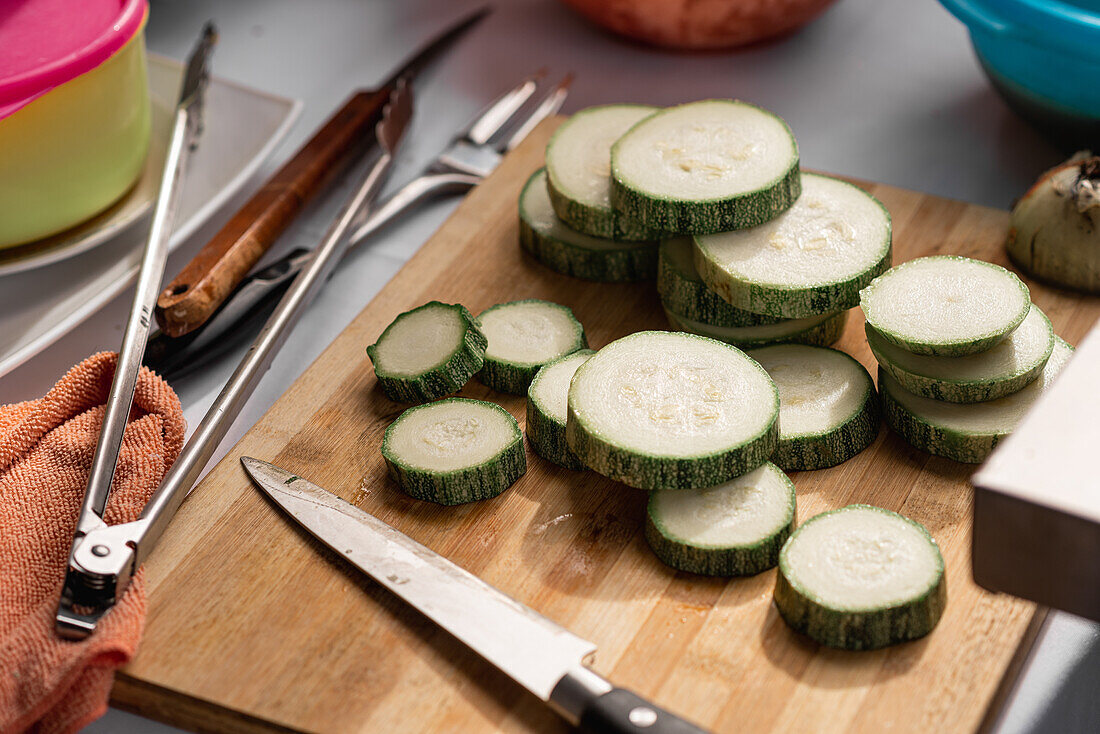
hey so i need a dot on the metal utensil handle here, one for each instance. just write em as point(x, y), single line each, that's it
point(137, 332)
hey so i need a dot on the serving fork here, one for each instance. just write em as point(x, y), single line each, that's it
point(471, 156)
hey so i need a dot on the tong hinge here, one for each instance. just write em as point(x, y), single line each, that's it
point(101, 565)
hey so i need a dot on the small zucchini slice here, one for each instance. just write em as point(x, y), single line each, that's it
point(454, 451)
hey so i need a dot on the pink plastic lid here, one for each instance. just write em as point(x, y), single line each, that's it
point(45, 43)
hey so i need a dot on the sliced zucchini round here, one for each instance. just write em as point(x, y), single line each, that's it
point(454, 451)
point(828, 408)
point(703, 167)
point(811, 259)
point(1009, 366)
point(428, 352)
point(523, 336)
point(547, 399)
point(945, 305)
point(965, 433)
point(820, 330)
point(733, 529)
point(566, 251)
point(683, 292)
point(861, 578)
point(578, 161)
point(661, 410)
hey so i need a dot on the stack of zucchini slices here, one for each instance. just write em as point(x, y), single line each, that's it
point(962, 353)
point(566, 220)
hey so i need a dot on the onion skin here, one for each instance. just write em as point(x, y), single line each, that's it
point(700, 24)
point(1055, 234)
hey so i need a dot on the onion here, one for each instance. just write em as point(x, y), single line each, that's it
point(1055, 232)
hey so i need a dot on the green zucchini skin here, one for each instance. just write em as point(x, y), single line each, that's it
point(632, 262)
point(629, 265)
point(646, 471)
point(826, 333)
point(744, 560)
point(966, 448)
point(515, 377)
point(949, 348)
point(592, 220)
point(609, 224)
point(805, 453)
point(868, 629)
point(955, 391)
point(787, 303)
point(547, 439)
point(545, 434)
point(705, 216)
point(444, 379)
point(470, 484)
point(685, 293)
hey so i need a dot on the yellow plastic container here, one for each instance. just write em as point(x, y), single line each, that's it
point(78, 146)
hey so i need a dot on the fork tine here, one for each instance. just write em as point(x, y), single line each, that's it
point(549, 105)
point(497, 114)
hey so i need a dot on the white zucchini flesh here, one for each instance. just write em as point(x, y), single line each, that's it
point(828, 408)
point(660, 410)
point(742, 511)
point(578, 163)
point(733, 529)
point(547, 408)
point(1015, 359)
point(420, 341)
point(705, 150)
point(813, 257)
point(945, 305)
point(450, 435)
point(861, 558)
point(550, 388)
point(819, 388)
point(529, 332)
point(964, 432)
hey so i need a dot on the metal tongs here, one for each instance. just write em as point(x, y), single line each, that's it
point(104, 558)
point(81, 587)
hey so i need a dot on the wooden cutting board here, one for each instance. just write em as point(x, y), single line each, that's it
point(254, 627)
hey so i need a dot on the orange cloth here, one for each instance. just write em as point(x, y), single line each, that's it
point(46, 446)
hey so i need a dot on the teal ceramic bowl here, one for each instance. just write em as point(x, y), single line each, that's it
point(1043, 56)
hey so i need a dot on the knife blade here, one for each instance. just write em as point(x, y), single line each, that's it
point(534, 651)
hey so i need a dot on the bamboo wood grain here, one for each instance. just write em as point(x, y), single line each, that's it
point(253, 627)
point(204, 283)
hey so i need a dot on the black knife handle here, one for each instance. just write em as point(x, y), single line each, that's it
point(620, 711)
point(597, 707)
point(238, 320)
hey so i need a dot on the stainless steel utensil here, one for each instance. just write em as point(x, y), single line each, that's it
point(544, 658)
point(186, 128)
point(104, 558)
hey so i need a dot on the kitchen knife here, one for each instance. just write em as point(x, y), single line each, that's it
point(532, 650)
point(204, 283)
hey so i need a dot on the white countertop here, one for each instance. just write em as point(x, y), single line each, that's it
point(887, 90)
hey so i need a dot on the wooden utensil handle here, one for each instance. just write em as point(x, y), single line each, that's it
point(205, 282)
